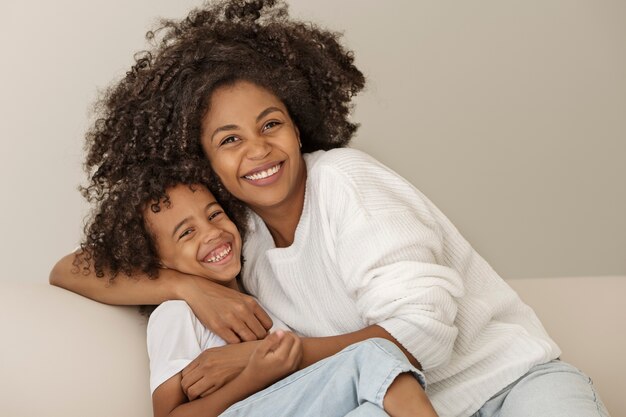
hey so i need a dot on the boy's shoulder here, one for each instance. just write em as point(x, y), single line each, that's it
point(176, 316)
point(172, 309)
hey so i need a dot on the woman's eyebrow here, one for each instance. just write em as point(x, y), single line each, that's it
point(259, 117)
point(268, 111)
point(222, 129)
point(212, 203)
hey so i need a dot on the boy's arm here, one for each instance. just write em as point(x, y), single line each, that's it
point(273, 358)
point(212, 365)
point(169, 400)
point(230, 314)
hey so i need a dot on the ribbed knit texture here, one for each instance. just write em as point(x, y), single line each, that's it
point(371, 249)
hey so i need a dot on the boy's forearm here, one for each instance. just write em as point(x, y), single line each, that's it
point(123, 290)
point(217, 402)
point(318, 348)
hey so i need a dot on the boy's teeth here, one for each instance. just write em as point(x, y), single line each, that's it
point(264, 174)
point(219, 256)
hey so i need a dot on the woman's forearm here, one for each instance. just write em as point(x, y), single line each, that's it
point(318, 348)
point(233, 316)
point(138, 289)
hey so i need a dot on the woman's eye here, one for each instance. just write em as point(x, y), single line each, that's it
point(270, 125)
point(215, 214)
point(229, 139)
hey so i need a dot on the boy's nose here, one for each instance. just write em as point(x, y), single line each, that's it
point(210, 232)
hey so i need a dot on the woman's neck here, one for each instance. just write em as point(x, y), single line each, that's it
point(282, 220)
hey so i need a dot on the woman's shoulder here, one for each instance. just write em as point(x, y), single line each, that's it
point(352, 176)
point(339, 158)
point(351, 168)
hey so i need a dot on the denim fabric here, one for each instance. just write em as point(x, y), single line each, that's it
point(353, 382)
point(553, 389)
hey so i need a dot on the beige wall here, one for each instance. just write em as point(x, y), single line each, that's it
point(511, 116)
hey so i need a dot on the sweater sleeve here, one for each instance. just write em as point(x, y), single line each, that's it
point(390, 254)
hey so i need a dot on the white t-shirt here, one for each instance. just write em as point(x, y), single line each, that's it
point(176, 337)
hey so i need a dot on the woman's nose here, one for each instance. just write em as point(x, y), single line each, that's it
point(258, 148)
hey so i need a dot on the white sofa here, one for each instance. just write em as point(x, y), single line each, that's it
point(64, 355)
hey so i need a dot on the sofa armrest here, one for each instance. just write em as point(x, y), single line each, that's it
point(586, 317)
point(64, 355)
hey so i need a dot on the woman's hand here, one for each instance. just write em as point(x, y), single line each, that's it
point(233, 316)
point(214, 367)
point(275, 357)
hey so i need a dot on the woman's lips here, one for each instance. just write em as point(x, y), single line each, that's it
point(263, 172)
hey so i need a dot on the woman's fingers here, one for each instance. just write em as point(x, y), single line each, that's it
point(257, 326)
point(233, 316)
point(263, 318)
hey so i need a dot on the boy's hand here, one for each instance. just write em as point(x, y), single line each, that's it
point(214, 367)
point(275, 357)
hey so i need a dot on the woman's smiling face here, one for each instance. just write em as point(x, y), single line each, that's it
point(253, 146)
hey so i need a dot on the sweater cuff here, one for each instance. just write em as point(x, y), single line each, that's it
point(429, 352)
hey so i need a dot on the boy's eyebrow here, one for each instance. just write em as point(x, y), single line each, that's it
point(186, 219)
point(234, 127)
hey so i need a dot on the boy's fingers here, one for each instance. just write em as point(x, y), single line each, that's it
point(189, 380)
point(295, 355)
point(270, 343)
point(192, 365)
point(286, 343)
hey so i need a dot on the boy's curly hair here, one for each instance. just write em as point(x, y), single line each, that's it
point(155, 112)
point(116, 237)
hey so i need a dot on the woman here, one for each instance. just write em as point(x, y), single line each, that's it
point(338, 246)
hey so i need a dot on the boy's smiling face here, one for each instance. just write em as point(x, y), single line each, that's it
point(194, 235)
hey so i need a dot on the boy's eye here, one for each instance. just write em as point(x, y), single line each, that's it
point(270, 125)
point(215, 214)
point(229, 139)
point(185, 233)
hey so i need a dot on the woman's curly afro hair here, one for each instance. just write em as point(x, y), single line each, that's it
point(116, 237)
point(155, 112)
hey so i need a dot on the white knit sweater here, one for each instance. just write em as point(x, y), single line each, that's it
point(371, 249)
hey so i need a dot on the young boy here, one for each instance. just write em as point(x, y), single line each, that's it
point(171, 221)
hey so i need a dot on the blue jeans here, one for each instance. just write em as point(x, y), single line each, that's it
point(553, 389)
point(351, 383)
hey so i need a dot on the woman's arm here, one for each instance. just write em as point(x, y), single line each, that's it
point(273, 358)
point(318, 348)
point(230, 314)
point(203, 375)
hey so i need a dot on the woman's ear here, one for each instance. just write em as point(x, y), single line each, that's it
point(295, 128)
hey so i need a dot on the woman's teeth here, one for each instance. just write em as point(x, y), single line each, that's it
point(218, 257)
point(264, 174)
